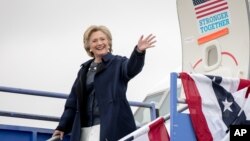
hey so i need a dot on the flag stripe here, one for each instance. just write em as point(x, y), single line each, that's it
point(244, 83)
point(153, 131)
point(210, 8)
point(206, 8)
point(159, 132)
point(194, 105)
point(212, 12)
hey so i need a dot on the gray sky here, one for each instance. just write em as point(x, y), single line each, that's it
point(41, 44)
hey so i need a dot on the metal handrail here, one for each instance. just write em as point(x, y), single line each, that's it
point(54, 138)
point(28, 116)
point(152, 107)
point(33, 92)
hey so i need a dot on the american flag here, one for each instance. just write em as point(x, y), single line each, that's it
point(215, 103)
point(153, 131)
point(208, 7)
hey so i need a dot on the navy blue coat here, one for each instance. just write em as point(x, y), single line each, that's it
point(110, 83)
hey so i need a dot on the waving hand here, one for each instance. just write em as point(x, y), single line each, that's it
point(145, 43)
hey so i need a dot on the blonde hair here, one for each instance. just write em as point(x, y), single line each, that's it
point(89, 31)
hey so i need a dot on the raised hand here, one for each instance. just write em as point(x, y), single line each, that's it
point(146, 43)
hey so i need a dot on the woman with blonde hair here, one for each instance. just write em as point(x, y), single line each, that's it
point(97, 107)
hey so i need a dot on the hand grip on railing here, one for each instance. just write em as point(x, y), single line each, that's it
point(54, 138)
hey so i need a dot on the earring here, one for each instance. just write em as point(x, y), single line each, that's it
point(90, 50)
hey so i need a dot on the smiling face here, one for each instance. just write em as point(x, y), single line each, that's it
point(97, 41)
point(98, 44)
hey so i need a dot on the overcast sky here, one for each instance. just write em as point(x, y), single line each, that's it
point(41, 44)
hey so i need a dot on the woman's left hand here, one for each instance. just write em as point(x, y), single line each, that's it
point(146, 43)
